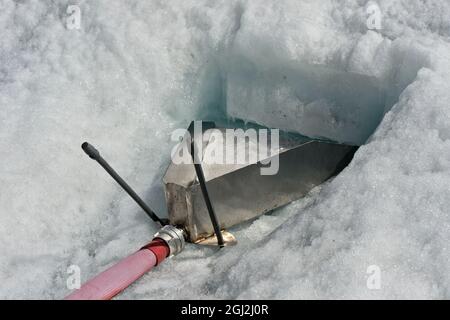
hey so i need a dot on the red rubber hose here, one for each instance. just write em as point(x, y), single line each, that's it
point(115, 279)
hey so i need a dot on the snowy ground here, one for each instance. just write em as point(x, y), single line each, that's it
point(136, 70)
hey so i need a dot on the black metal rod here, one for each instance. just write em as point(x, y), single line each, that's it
point(202, 182)
point(94, 154)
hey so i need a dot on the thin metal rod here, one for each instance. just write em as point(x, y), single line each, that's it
point(202, 182)
point(94, 154)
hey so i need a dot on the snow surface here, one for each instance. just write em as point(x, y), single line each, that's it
point(136, 70)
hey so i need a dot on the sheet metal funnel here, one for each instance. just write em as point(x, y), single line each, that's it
point(239, 192)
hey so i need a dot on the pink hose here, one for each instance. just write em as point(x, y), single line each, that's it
point(115, 279)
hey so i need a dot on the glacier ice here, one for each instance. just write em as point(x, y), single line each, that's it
point(136, 70)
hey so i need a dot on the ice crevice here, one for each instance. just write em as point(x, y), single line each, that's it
point(137, 70)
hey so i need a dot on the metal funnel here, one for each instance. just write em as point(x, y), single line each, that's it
point(239, 192)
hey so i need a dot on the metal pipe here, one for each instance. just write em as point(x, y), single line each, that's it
point(94, 154)
point(201, 180)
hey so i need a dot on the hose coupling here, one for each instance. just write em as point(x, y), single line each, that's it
point(173, 236)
